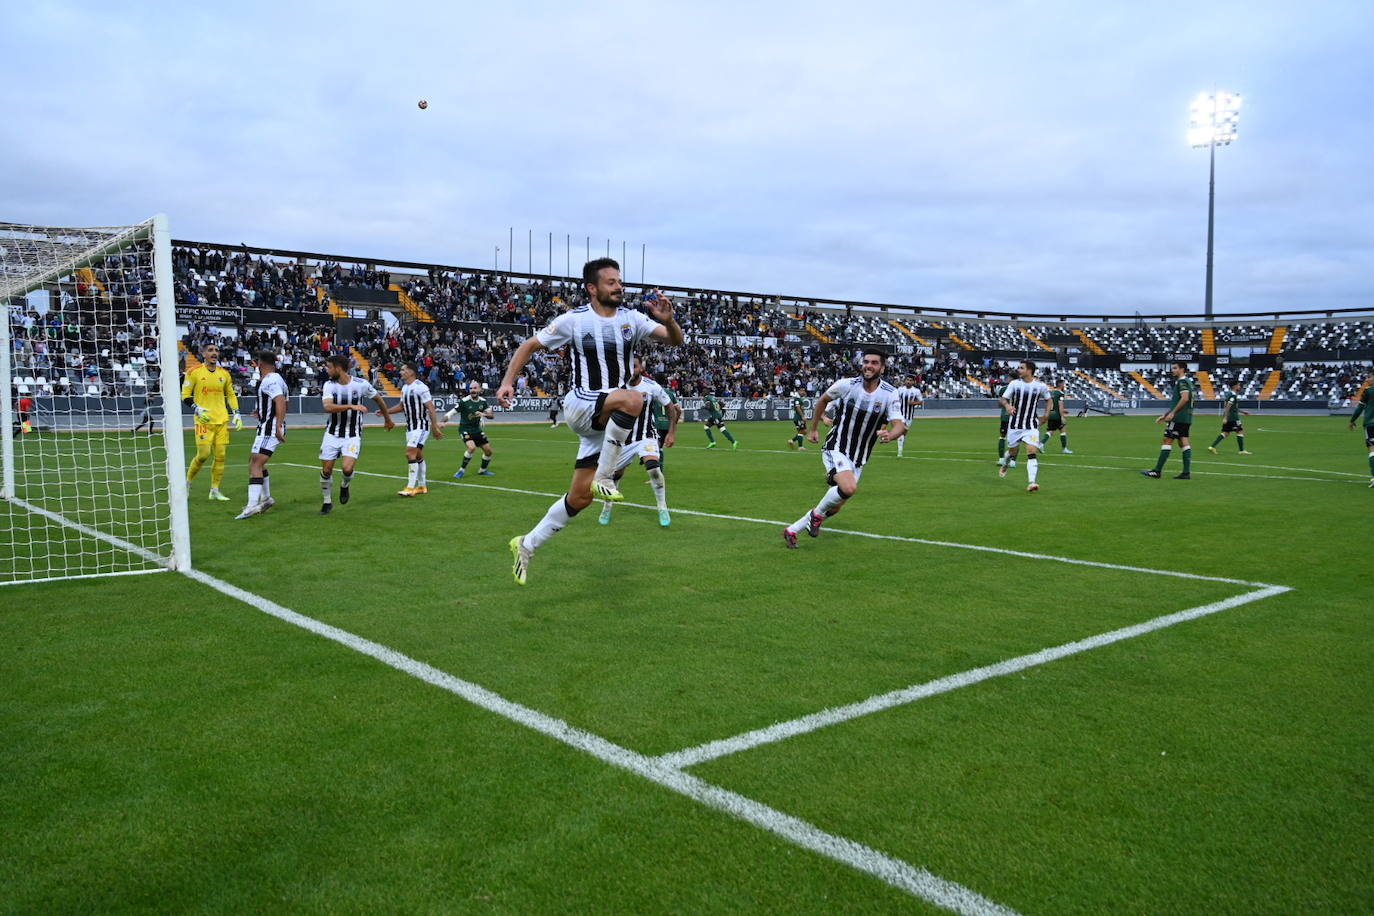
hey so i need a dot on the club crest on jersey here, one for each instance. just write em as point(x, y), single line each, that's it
point(626, 331)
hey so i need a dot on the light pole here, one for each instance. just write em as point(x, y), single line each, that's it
point(1214, 120)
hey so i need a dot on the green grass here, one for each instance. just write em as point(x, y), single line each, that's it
point(170, 749)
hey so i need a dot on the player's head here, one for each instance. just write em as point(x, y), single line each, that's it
point(475, 388)
point(267, 361)
point(638, 371)
point(408, 373)
point(1026, 369)
point(1369, 372)
point(337, 367)
point(1179, 369)
point(602, 279)
point(1235, 384)
point(209, 354)
point(910, 380)
point(873, 363)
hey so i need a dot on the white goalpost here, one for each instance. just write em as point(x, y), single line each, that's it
point(87, 346)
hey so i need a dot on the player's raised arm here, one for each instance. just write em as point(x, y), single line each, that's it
point(505, 396)
point(661, 309)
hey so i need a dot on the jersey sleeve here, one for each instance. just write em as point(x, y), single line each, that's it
point(839, 389)
point(327, 393)
point(644, 326)
point(368, 390)
point(660, 396)
point(426, 397)
point(229, 395)
point(557, 333)
point(188, 386)
point(894, 408)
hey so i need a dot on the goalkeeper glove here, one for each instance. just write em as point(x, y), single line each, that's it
point(235, 421)
point(202, 415)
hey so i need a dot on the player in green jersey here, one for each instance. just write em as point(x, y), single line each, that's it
point(1230, 419)
point(799, 406)
point(1005, 418)
point(715, 418)
point(472, 410)
point(1366, 407)
point(1179, 418)
point(1054, 420)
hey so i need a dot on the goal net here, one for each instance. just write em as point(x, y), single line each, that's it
point(89, 350)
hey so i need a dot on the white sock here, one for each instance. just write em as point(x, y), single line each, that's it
point(1032, 466)
point(800, 524)
point(830, 500)
point(660, 487)
point(1005, 460)
point(254, 494)
point(412, 472)
point(553, 522)
point(266, 487)
point(348, 478)
point(614, 440)
point(420, 474)
point(901, 443)
point(327, 487)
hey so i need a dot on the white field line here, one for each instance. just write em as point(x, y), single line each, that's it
point(899, 874)
point(777, 732)
point(162, 562)
point(1072, 463)
point(866, 534)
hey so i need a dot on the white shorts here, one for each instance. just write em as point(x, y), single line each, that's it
point(644, 448)
point(416, 438)
point(332, 447)
point(579, 412)
point(266, 444)
point(1029, 436)
point(835, 462)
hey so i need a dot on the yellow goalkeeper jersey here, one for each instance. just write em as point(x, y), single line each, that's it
point(211, 388)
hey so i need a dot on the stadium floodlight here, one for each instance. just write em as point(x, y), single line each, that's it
point(1214, 121)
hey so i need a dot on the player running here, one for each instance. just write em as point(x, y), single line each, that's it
point(1179, 418)
point(343, 397)
point(418, 406)
point(271, 415)
point(1054, 421)
point(867, 410)
point(715, 417)
point(644, 441)
point(473, 409)
point(1366, 407)
point(1023, 399)
point(209, 392)
point(601, 337)
point(799, 406)
point(1230, 423)
point(910, 397)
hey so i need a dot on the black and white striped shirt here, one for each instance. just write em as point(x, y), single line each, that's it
point(1025, 399)
point(644, 423)
point(910, 397)
point(601, 349)
point(269, 386)
point(414, 396)
point(859, 414)
point(348, 423)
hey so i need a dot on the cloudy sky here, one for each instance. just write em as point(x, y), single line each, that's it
point(1011, 156)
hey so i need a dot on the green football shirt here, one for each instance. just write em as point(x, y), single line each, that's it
point(1231, 400)
point(1367, 405)
point(712, 405)
point(1185, 413)
point(660, 414)
point(1055, 397)
point(1000, 393)
point(799, 410)
point(469, 414)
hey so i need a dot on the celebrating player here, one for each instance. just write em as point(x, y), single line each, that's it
point(1230, 423)
point(601, 337)
point(418, 405)
point(473, 408)
point(1054, 422)
point(1022, 400)
point(1366, 407)
point(1179, 418)
point(343, 397)
point(799, 406)
point(910, 397)
point(209, 392)
point(867, 410)
point(715, 417)
point(271, 414)
point(644, 442)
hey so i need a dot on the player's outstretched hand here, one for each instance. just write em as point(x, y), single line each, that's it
point(506, 396)
point(812, 436)
point(660, 307)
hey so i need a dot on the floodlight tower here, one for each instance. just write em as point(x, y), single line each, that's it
point(1215, 119)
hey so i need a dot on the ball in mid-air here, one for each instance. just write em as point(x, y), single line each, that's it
point(423, 103)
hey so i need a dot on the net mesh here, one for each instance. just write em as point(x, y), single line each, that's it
point(85, 494)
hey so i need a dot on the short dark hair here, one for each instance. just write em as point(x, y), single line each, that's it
point(882, 357)
point(1235, 383)
point(1028, 364)
point(411, 367)
point(592, 269)
point(266, 356)
point(1181, 364)
point(339, 360)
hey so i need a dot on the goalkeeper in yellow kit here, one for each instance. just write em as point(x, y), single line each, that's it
point(209, 391)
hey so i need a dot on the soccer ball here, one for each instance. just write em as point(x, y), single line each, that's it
point(423, 103)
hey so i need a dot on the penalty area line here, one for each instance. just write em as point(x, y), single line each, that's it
point(892, 871)
point(779, 731)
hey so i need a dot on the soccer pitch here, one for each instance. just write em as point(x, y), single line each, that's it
point(1116, 694)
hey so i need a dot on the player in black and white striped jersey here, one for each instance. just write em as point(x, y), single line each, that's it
point(1026, 401)
point(343, 398)
point(418, 406)
point(867, 410)
point(911, 400)
point(271, 414)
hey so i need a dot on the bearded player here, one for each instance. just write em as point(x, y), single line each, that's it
point(209, 392)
